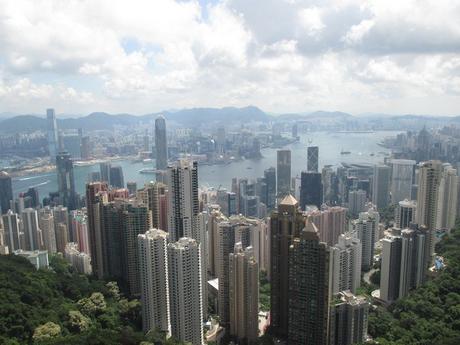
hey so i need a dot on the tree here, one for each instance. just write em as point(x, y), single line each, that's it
point(46, 332)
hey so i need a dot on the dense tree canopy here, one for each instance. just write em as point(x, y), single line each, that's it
point(60, 306)
point(429, 314)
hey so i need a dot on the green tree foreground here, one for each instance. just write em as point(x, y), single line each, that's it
point(429, 314)
point(59, 306)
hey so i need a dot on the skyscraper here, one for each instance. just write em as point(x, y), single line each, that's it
point(357, 201)
point(94, 198)
point(283, 177)
point(285, 224)
point(66, 181)
point(401, 179)
point(184, 273)
point(52, 133)
point(116, 177)
point(331, 223)
point(309, 288)
point(46, 223)
point(447, 198)
point(346, 264)
point(105, 172)
point(366, 230)
point(405, 213)
point(381, 186)
point(183, 202)
point(32, 232)
point(6, 191)
point(225, 240)
point(391, 268)
point(311, 189)
point(270, 181)
point(427, 214)
point(11, 231)
point(348, 319)
point(244, 294)
point(161, 144)
point(153, 267)
point(312, 158)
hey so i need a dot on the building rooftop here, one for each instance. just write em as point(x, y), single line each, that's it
point(289, 200)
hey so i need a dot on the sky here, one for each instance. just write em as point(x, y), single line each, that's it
point(143, 56)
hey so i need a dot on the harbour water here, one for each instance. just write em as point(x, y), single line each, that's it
point(363, 148)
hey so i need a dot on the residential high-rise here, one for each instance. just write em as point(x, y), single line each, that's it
point(311, 189)
point(215, 216)
point(357, 201)
point(161, 144)
point(46, 223)
point(32, 232)
point(346, 264)
point(366, 228)
point(426, 215)
point(116, 177)
point(285, 224)
point(153, 267)
point(244, 294)
point(6, 192)
point(135, 222)
point(66, 181)
point(381, 186)
point(309, 288)
point(52, 130)
point(401, 179)
point(183, 204)
point(312, 158)
point(331, 223)
point(155, 196)
point(185, 300)
point(11, 225)
point(391, 268)
point(225, 240)
point(348, 319)
point(79, 223)
point(447, 198)
point(81, 261)
point(94, 197)
point(405, 213)
point(61, 232)
point(283, 173)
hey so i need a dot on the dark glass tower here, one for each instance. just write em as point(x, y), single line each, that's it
point(283, 173)
point(311, 189)
point(161, 143)
point(312, 158)
point(6, 191)
point(116, 177)
point(66, 181)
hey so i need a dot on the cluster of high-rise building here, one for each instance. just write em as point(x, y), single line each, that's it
point(194, 254)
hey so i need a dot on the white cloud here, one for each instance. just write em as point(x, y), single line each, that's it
point(143, 56)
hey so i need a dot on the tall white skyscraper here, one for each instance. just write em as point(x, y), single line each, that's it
point(32, 232)
point(366, 228)
point(244, 294)
point(153, 261)
point(357, 201)
point(183, 207)
point(426, 215)
point(52, 133)
point(186, 309)
point(11, 229)
point(447, 198)
point(401, 179)
point(346, 264)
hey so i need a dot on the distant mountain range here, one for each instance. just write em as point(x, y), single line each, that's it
point(214, 116)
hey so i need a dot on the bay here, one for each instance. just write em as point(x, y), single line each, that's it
point(363, 148)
